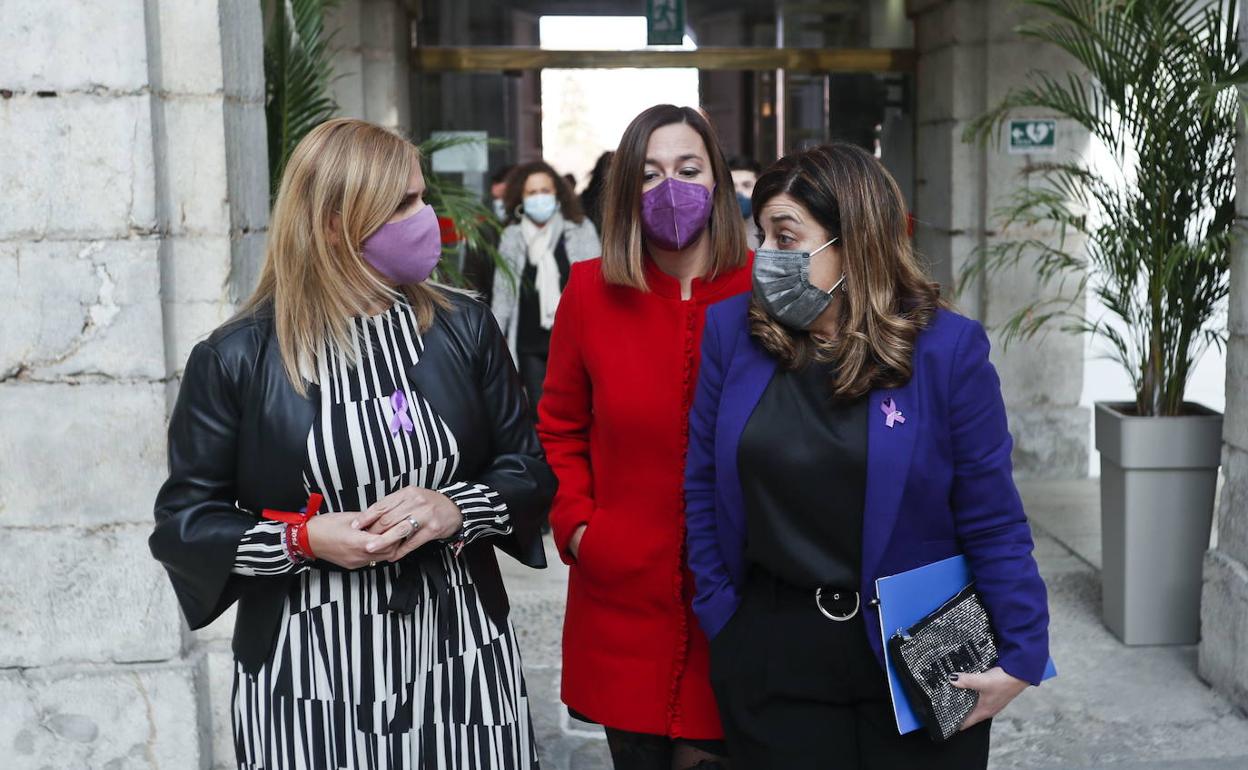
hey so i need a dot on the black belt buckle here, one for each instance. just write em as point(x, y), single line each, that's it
point(837, 595)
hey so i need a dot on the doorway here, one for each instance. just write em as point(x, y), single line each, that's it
point(585, 111)
point(772, 77)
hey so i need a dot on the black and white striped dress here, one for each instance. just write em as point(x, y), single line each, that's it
point(352, 683)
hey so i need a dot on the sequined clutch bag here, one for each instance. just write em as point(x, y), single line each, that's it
point(956, 638)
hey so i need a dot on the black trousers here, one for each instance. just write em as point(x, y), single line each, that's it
point(532, 368)
point(797, 690)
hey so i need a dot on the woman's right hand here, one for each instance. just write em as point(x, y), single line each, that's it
point(574, 545)
point(334, 540)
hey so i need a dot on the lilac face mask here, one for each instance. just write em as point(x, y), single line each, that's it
point(675, 213)
point(406, 251)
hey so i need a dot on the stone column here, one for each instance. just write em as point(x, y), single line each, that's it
point(968, 58)
point(1224, 601)
point(372, 44)
point(211, 161)
point(134, 203)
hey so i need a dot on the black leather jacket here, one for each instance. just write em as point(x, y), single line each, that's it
point(237, 445)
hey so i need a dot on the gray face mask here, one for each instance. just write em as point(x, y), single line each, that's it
point(782, 285)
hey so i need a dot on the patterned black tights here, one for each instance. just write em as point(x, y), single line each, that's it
point(640, 751)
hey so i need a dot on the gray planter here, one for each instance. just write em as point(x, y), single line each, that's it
point(1158, 478)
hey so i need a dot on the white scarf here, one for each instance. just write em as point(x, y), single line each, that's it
point(541, 243)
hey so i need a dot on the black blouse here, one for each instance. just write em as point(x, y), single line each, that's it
point(530, 336)
point(803, 468)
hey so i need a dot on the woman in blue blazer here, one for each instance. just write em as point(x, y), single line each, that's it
point(847, 425)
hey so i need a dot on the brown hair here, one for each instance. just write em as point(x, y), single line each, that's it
point(622, 250)
point(513, 197)
point(889, 297)
point(314, 274)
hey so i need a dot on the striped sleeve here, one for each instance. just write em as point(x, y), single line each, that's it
point(484, 511)
point(262, 551)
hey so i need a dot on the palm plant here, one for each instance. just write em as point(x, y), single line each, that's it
point(298, 71)
point(1152, 239)
point(476, 227)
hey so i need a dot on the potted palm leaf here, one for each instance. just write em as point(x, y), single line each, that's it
point(298, 70)
point(1150, 237)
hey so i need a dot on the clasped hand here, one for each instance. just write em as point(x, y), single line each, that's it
point(384, 532)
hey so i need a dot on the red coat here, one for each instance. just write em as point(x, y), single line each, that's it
point(614, 421)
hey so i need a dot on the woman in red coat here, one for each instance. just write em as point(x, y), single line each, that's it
point(614, 422)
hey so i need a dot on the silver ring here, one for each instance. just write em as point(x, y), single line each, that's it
point(372, 564)
point(414, 524)
point(830, 616)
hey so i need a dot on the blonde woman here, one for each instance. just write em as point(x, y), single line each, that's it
point(372, 627)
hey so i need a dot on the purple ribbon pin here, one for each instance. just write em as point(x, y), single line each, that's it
point(400, 421)
point(891, 413)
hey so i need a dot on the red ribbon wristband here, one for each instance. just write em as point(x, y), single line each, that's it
point(298, 521)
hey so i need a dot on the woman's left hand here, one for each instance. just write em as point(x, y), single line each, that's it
point(996, 689)
point(391, 517)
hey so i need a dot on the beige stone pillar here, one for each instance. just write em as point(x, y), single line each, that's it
point(372, 75)
point(1224, 603)
point(968, 58)
point(134, 207)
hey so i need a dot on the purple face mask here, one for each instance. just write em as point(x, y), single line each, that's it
point(675, 213)
point(406, 251)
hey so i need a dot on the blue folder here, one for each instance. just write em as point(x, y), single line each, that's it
point(905, 599)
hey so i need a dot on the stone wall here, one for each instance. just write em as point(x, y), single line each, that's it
point(372, 42)
point(134, 191)
point(968, 58)
point(1224, 602)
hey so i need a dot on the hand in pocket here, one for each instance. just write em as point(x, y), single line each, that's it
point(574, 545)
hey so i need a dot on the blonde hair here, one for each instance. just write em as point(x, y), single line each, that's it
point(622, 241)
point(343, 181)
point(889, 297)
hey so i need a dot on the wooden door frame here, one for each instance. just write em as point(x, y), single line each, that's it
point(513, 59)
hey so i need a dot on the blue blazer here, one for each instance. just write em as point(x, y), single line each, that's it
point(938, 484)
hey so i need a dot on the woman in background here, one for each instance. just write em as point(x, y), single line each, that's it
point(592, 195)
point(546, 234)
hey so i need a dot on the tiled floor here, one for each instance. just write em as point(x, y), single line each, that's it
point(1114, 707)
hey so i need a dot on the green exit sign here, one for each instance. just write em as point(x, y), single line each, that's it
point(665, 22)
point(1029, 136)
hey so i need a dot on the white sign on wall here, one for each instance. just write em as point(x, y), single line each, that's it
point(467, 158)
